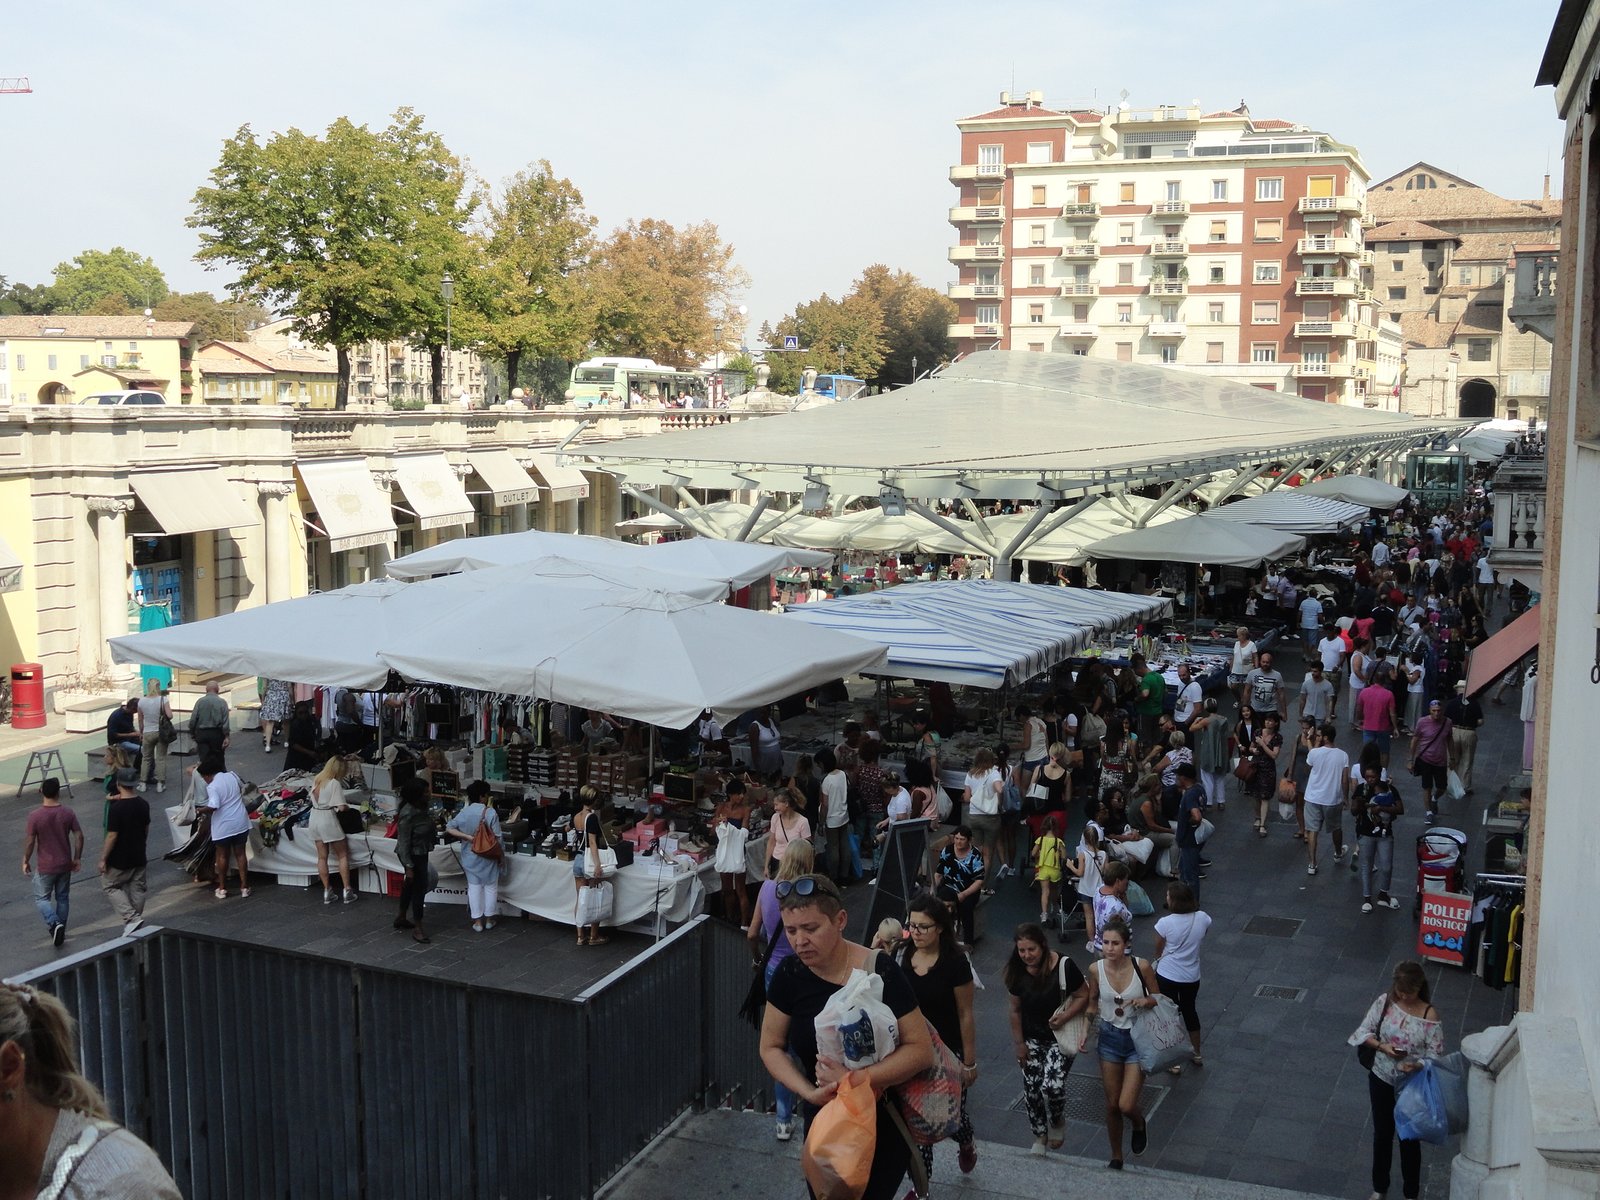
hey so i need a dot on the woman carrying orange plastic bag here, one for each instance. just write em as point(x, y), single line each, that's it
point(842, 1142)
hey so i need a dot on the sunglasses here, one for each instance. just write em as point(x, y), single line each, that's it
point(806, 885)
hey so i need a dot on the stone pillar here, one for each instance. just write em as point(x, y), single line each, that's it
point(517, 518)
point(276, 515)
point(85, 588)
point(111, 540)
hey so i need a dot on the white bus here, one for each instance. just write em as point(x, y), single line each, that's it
point(612, 381)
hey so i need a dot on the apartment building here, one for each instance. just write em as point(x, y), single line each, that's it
point(61, 359)
point(397, 373)
point(1213, 241)
point(1442, 249)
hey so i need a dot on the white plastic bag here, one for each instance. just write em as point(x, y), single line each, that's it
point(855, 1026)
point(595, 904)
point(1456, 787)
point(730, 857)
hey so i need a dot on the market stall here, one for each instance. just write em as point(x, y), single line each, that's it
point(1292, 511)
point(1357, 489)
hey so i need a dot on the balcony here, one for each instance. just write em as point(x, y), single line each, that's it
point(1169, 287)
point(973, 291)
point(974, 331)
point(1081, 250)
point(1517, 548)
point(977, 212)
point(1330, 206)
point(1080, 287)
point(1344, 247)
point(1533, 299)
point(1325, 370)
point(1167, 329)
point(967, 172)
point(1335, 329)
point(1169, 248)
point(1307, 285)
point(1364, 258)
point(1170, 208)
point(1079, 329)
point(1087, 208)
point(988, 252)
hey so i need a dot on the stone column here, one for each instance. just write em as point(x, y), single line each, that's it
point(85, 589)
point(274, 496)
point(111, 540)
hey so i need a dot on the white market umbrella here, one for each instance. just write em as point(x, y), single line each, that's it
point(1293, 511)
point(1067, 542)
point(1204, 539)
point(1356, 489)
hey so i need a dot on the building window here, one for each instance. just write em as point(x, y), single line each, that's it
point(1397, 293)
point(1037, 192)
point(133, 347)
point(1496, 274)
point(1125, 272)
point(83, 362)
point(1169, 312)
point(1219, 190)
point(49, 362)
point(1125, 192)
point(1219, 231)
point(1036, 275)
point(1217, 273)
point(1035, 235)
point(1269, 229)
point(1169, 353)
point(1398, 264)
point(1124, 351)
point(1124, 314)
point(991, 156)
point(1264, 352)
point(22, 362)
point(1214, 312)
point(1264, 312)
point(1213, 351)
point(1479, 349)
point(1082, 233)
point(1174, 190)
point(1035, 347)
point(1080, 352)
point(1464, 276)
point(988, 314)
point(1267, 272)
point(1125, 233)
point(1036, 314)
point(1039, 152)
point(1399, 247)
point(1080, 312)
point(1270, 189)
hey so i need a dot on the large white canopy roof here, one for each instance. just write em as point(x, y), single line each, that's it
point(1012, 425)
point(1203, 539)
point(1357, 489)
point(1292, 511)
point(978, 633)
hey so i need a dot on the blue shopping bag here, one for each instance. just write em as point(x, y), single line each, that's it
point(1419, 1110)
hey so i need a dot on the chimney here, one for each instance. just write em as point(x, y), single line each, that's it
point(1547, 186)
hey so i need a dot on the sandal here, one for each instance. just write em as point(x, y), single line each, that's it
point(1197, 1059)
point(598, 940)
point(583, 939)
point(418, 936)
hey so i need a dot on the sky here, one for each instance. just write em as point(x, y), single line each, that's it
point(817, 137)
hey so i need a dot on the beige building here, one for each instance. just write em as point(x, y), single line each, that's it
point(244, 373)
point(1441, 252)
point(396, 372)
point(1219, 242)
point(61, 359)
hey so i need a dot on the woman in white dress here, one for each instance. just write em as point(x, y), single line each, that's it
point(327, 802)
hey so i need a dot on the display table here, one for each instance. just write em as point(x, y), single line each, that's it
point(649, 892)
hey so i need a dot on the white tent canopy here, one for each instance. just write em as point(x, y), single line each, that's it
point(979, 633)
point(733, 564)
point(1292, 511)
point(1203, 539)
point(1356, 489)
point(1068, 542)
point(1213, 488)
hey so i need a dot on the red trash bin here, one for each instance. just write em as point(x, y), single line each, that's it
point(27, 696)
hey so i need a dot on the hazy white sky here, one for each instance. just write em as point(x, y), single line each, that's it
point(816, 136)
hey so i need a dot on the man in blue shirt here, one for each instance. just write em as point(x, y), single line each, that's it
point(1191, 811)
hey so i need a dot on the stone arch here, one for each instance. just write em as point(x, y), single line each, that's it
point(1478, 397)
point(55, 393)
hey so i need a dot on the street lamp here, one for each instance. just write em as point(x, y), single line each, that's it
point(913, 368)
point(447, 289)
point(719, 346)
point(841, 358)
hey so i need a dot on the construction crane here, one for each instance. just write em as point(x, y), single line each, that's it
point(14, 85)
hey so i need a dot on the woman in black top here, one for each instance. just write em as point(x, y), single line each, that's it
point(1034, 977)
point(414, 838)
point(941, 976)
point(814, 920)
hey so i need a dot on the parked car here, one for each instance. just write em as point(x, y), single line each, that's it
point(124, 398)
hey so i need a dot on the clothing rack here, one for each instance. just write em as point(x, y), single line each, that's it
point(1494, 952)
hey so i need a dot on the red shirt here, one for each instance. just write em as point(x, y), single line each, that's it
point(1377, 709)
point(52, 827)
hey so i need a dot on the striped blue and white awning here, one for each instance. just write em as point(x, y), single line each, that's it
point(1293, 512)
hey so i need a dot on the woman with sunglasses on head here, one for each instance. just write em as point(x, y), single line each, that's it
point(1041, 981)
point(814, 920)
point(941, 976)
point(1121, 985)
point(798, 859)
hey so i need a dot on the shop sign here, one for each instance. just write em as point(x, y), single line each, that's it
point(1442, 933)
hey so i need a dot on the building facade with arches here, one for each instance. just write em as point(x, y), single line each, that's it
point(61, 359)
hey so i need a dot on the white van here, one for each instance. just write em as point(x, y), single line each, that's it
point(124, 398)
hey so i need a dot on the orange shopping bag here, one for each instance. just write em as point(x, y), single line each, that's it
point(840, 1143)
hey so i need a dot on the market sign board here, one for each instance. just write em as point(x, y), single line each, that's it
point(1442, 933)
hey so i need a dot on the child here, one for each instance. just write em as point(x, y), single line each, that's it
point(1049, 852)
point(1085, 868)
point(888, 936)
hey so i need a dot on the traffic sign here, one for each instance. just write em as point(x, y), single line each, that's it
point(791, 341)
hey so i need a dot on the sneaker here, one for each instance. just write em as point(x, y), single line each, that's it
point(1433, 816)
point(327, 895)
point(1311, 869)
point(783, 1131)
point(1044, 918)
point(1366, 906)
point(967, 1157)
point(1058, 1134)
point(160, 786)
point(244, 893)
point(58, 934)
point(1038, 1149)
point(1355, 861)
point(1205, 862)
point(140, 787)
point(1338, 853)
point(350, 895)
point(221, 893)
point(132, 926)
point(1140, 1139)
point(1392, 902)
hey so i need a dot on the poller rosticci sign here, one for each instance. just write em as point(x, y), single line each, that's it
point(1442, 932)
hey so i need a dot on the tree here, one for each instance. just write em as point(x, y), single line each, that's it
point(348, 234)
point(25, 299)
point(213, 319)
point(107, 281)
point(663, 291)
point(537, 241)
point(916, 322)
point(823, 326)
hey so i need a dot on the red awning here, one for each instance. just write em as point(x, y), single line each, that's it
point(1491, 660)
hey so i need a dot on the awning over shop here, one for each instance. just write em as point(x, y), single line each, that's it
point(353, 509)
point(1292, 512)
point(434, 492)
point(1202, 539)
point(506, 479)
point(1491, 659)
point(194, 500)
point(565, 483)
point(10, 568)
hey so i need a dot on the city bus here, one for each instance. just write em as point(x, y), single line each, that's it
point(837, 387)
point(610, 381)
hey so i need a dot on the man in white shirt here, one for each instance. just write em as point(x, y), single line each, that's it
point(1187, 705)
point(1327, 794)
point(1310, 619)
point(836, 816)
point(1244, 661)
point(1330, 650)
point(1380, 553)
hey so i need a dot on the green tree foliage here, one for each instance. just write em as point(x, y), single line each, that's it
point(348, 233)
point(536, 240)
point(916, 323)
point(24, 299)
point(663, 291)
point(107, 281)
point(213, 319)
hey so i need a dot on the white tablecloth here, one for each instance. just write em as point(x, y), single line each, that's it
point(649, 890)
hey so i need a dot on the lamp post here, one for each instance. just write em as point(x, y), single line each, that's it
point(841, 358)
point(447, 289)
point(719, 346)
point(913, 368)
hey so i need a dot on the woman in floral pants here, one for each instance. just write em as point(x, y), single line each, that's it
point(1040, 980)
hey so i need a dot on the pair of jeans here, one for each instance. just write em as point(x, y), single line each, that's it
point(1377, 865)
point(124, 888)
point(155, 755)
point(51, 894)
point(414, 889)
point(839, 852)
point(780, 1094)
point(1382, 1096)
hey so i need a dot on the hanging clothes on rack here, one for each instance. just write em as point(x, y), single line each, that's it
point(1495, 936)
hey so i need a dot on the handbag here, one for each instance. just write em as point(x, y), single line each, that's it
point(1139, 903)
point(1245, 770)
point(351, 821)
point(166, 731)
point(1158, 1033)
point(1456, 788)
point(1071, 1036)
point(608, 862)
point(730, 858)
point(1203, 831)
point(1419, 1108)
point(596, 904)
point(755, 998)
point(930, 1101)
point(1367, 1055)
point(485, 844)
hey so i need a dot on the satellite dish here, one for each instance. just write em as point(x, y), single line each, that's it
point(1123, 95)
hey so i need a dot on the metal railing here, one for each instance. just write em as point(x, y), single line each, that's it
point(259, 1072)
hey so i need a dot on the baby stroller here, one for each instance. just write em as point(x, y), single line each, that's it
point(1439, 863)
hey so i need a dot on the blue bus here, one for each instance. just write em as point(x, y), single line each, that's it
point(838, 387)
